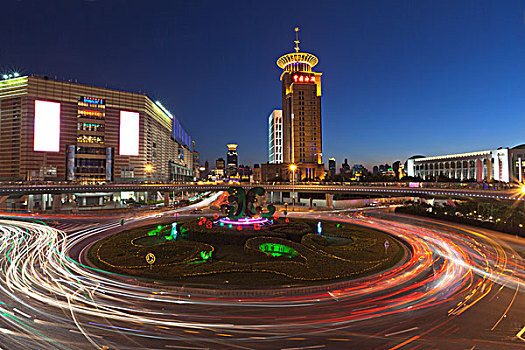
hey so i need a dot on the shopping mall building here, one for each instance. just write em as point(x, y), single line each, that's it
point(56, 130)
point(502, 164)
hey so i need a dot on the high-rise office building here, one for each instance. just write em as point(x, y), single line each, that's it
point(275, 136)
point(232, 160)
point(301, 113)
point(57, 130)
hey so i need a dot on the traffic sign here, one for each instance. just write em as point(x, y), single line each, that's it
point(150, 258)
point(386, 245)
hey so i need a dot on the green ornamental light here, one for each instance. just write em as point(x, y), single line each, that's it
point(277, 250)
point(205, 255)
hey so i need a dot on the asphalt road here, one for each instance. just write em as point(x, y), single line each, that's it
point(462, 288)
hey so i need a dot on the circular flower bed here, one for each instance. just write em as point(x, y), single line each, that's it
point(281, 254)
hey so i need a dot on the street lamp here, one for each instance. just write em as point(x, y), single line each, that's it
point(149, 169)
point(293, 167)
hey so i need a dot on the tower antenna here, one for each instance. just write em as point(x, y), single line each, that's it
point(296, 48)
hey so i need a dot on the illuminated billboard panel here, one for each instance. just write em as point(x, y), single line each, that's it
point(47, 126)
point(129, 134)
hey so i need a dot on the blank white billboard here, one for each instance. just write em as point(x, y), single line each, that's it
point(47, 126)
point(129, 134)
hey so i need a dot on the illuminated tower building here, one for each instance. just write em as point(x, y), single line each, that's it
point(232, 160)
point(301, 121)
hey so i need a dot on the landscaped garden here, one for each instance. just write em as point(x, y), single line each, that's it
point(495, 215)
point(205, 252)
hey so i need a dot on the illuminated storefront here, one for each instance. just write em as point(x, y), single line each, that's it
point(55, 130)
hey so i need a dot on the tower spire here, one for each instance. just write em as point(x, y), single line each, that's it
point(296, 48)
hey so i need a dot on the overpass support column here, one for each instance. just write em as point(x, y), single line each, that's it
point(3, 202)
point(520, 171)
point(294, 197)
point(30, 202)
point(57, 201)
point(329, 200)
point(275, 197)
point(166, 199)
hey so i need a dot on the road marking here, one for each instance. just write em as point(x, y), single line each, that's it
point(507, 310)
point(401, 332)
point(364, 308)
point(306, 347)
point(82, 334)
point(333, 296)
point(405, 342)
point(224, 335)
point(520, 333)
point(21, 313)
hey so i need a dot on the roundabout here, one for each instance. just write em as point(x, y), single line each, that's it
point(287, 252)
point(247, 248)
point(460, 287)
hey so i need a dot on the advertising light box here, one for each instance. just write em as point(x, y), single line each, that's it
point(47, 126)
point(129, 134)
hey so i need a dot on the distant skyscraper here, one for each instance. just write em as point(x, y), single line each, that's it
point(358, 170)
point(275, 136)
point(345, 167)
point(331, 166)
point(232, 160)
point(220, 164)
point(383, 169)
point(395, 168)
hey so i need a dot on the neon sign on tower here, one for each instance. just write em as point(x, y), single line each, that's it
point(303, 79)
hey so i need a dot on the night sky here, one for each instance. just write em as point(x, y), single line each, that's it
point(399, 77)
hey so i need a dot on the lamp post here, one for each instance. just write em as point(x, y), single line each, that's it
point(520, 192)
point(149, 169)
point(292, 168)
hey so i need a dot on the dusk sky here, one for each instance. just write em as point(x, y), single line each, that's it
point(399, 77)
